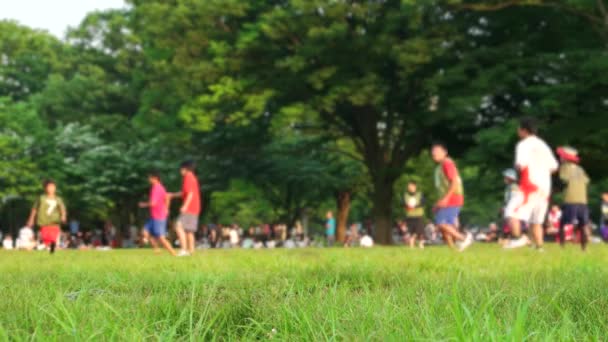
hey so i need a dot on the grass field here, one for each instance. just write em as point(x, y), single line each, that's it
point(392, 294)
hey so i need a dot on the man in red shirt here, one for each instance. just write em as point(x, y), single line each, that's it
point(451, 198)
point(187, 223)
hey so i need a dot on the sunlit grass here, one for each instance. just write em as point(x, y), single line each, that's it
point(313, 294)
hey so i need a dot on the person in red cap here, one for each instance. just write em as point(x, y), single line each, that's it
point(575, 211)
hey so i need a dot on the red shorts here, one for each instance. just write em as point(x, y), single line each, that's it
point(49, 234)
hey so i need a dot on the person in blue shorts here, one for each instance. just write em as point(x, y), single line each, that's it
point(158, 204)
point(451, 198)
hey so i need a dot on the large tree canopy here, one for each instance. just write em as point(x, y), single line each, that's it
point(294, 105)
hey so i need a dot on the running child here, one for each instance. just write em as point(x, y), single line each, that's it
point(575, 210)
point(451, 198)
point(535, 162)
point(158, 204)
point(48, 213)
point(187, 223)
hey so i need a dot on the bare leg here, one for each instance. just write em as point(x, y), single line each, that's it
point(190, 242)
point(584, 237)
point(154, 244)
point(515, 227)
point(421, 241)
point(537, 230)
point(447, 237)
point(451, 230)
point(167, 245)
point(181, 235)
point(562, 234)
point(412, 242)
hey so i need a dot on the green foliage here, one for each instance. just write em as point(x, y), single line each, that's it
point(296, 101)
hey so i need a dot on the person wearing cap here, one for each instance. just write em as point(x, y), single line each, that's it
point(574, 210)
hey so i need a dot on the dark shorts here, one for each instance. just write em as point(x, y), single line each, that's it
point(415, 225)
point(447, 215)
point(575, 214)
point(188, 222)
point(156, 228)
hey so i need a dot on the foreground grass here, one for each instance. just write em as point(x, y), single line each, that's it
point(314, 294)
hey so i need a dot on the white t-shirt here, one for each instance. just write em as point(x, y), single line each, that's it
point(234, 236)
point(535, 155)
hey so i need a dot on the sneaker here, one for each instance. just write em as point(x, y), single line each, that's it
point(540, 250)
point(468, 241)
point(183, 254)
point(521, 242)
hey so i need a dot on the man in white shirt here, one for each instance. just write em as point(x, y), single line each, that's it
point(535, 162)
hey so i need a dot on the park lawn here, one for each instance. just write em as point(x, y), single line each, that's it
point(381, 294)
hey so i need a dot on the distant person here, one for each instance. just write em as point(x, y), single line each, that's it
point(367, 241)
point(74, 227)
point(158, 204)
point(575, 209)
point(352, 236)
point(330, 229)
point(492, 235)
point(48, 213)
point(604, 218)
point(414, 213)
point(535, 162)
point(554, 220)
point(403, 232)
point(7, 242)
point(451, 198)
point(27, 239)
point(187, 223)
point(234, 237)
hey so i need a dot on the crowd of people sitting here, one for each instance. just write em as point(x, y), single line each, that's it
point(208, 236)
point(406, 232)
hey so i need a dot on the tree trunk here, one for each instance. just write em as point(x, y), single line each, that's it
point(382, 212)
point(343, 199)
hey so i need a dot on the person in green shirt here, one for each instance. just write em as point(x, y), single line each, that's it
point(574, 210)
point(414, 213)
point(48, 213)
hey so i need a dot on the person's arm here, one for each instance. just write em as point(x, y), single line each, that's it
point(64, 212)
point(33, 213)
point(173, 195)
point(187, 202)
point(148, 204)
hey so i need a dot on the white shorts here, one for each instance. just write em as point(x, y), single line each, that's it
point(532, 210)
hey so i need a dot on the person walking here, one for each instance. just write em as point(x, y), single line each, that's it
point(48, 213)
point(187, 223)
point(536, 163)
point(575, 211)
